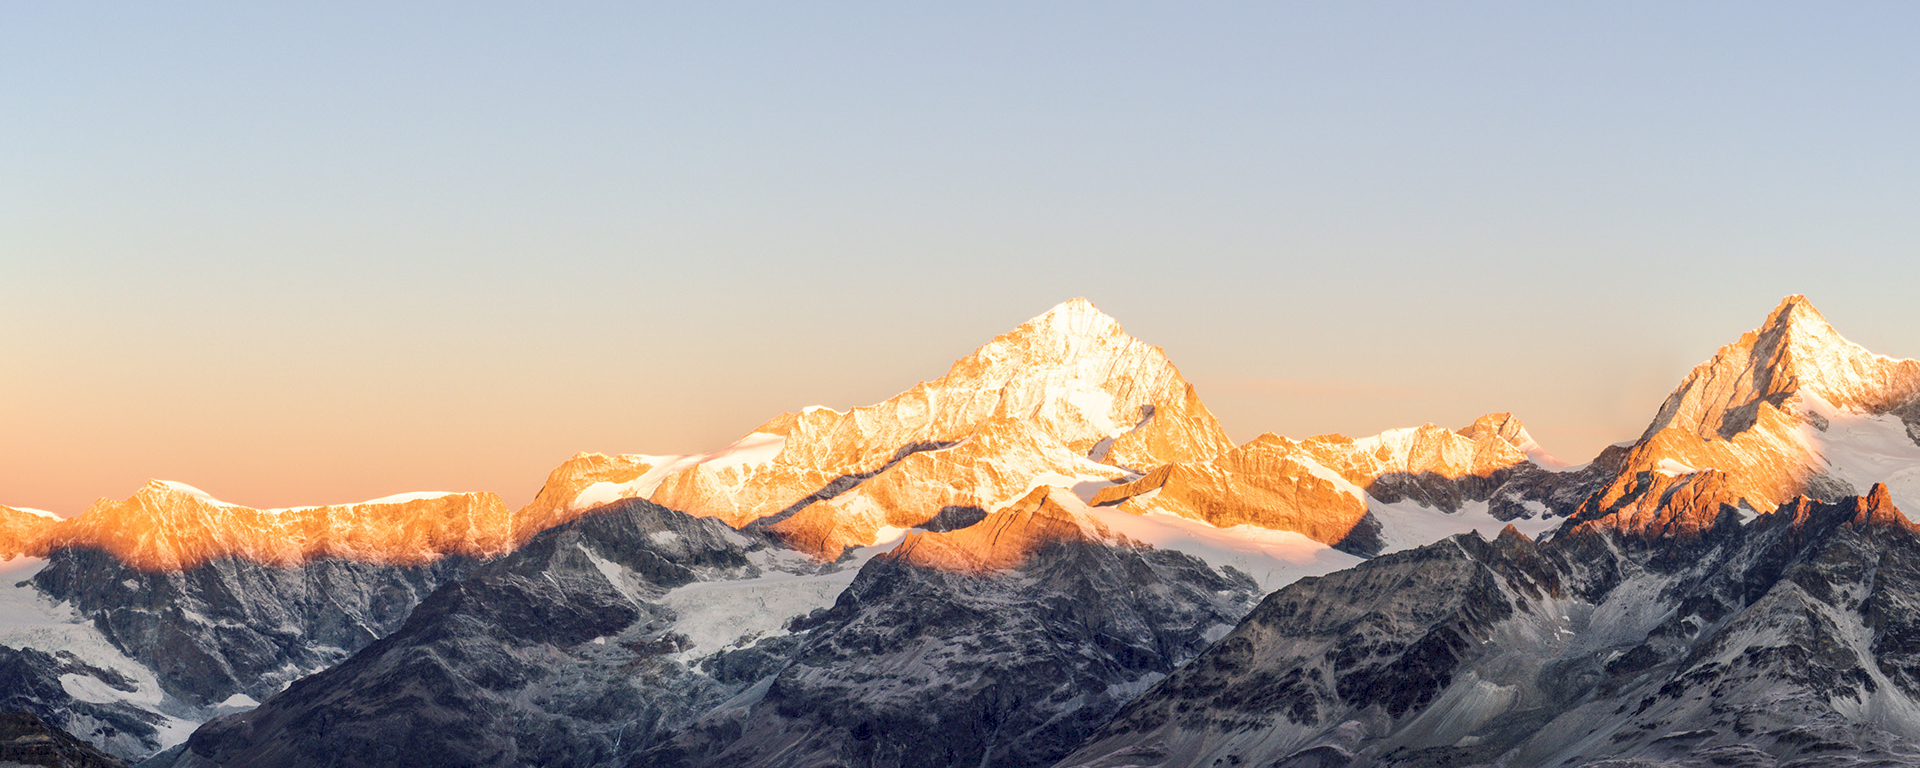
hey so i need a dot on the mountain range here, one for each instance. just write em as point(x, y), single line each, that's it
point(1051, 555)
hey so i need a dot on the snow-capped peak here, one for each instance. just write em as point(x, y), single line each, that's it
point(1794, 351)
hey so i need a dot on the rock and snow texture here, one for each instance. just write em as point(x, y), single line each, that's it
point(134, 660)
point(1366, 495)
point(1788, 639)
point(172, 526)
point(637, 635)
point(1790, 409)
point(26, 740)
point(957, 649)
point(984, 569)
point(1066, 396)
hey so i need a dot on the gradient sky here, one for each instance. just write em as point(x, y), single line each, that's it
point(308, 255)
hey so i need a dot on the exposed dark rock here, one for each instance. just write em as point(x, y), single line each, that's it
point(234, 626)
point(1788, 640)
point(915, 666)
point(25, 739)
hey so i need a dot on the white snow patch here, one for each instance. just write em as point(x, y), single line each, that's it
point(402, 498)
point(717, 614)
point(1273, 558)
point(37, 512)
point(1673, 468)
point(1407, 524)
point(756, 448)
point(91, 690)
point(1096, 405)
point(179, 487)
point(1862, 450)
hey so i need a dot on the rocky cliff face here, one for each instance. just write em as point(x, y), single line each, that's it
point(169, 526)
point(1004, 643)
point(143, 617)
point(641, 636)
point(1774, 642)
point(562, 654)
point(26, 740)
point(1323, 486)
point(1065, 397)
point(1790, 409)
point(233, 626)
point(36, 682)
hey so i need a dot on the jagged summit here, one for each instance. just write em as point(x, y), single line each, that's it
point(1794, 352)
point(1065, 397)
point(1790, 409)
point(1068, 328)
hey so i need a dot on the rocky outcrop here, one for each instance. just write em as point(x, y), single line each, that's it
point(26, 740)
point(554, 504)
point(1004, 643)
point(24, 533)
point(1776, 642)
point(232, 626)
point(1321, 486)
point(31, 681)
point(562, 654)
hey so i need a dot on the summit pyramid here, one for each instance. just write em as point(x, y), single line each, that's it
point(1790, 409)
point(1066, 397)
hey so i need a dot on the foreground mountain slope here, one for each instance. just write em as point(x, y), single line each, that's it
point(133, 622)
point(25, 740)
point(1004, 643)
point(1693, 610)
point(639, 635)
point(1781, 640)
point(561, 654)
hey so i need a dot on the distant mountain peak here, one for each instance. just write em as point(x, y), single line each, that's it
point(1066, 397)
point(1751, 427)
point(1794, 352)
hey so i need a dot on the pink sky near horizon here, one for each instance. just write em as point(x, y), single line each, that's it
point(314, 436)
point(312, 254)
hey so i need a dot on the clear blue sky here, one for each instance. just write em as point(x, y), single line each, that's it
point(301, 255)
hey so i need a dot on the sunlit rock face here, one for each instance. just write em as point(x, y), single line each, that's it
point(24, 532)
point(168, 526)
point(1321, 486)
point(137, 619)
point(554, 504)
point(1790, 409)
point(1066, 397)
